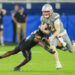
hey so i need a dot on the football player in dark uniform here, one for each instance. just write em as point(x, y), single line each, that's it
point(2, 13)
point(25, 46)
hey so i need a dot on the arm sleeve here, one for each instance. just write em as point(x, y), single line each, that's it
point(56, 16)
point(57, 22)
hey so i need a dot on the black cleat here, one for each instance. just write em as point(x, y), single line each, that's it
point(64, 49)
point(17, 69)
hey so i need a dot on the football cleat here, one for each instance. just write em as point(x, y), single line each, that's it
point(17, 69)
point(58, 66)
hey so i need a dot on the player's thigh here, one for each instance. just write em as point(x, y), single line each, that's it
point(16, 50)
point(54, 42)
point(68, 42)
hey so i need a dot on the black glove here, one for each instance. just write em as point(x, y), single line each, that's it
point(51, 51)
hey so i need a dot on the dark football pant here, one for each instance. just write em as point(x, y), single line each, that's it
point(26, 53)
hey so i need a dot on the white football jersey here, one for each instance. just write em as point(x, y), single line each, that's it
point(52, 20)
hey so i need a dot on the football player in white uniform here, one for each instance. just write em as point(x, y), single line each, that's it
point(51, 23)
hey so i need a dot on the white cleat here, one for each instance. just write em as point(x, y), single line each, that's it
point(58, 66)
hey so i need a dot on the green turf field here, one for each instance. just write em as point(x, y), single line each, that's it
point(42, 63)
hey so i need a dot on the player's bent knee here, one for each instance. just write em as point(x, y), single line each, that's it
point(15, 51)
point(28, 59)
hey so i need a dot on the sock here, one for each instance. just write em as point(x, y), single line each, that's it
point(58, 62)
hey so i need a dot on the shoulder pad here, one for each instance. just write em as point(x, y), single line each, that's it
point(56, 15)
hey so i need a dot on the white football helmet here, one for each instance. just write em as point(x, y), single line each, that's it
point(47, 10)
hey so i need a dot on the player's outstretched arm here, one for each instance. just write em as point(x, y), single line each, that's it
point(44, 45)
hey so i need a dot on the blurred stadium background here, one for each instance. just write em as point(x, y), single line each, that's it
point(66, 8)
point(42, 62)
